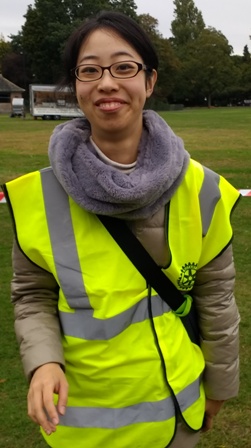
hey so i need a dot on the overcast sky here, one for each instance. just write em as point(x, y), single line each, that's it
point(231, 17)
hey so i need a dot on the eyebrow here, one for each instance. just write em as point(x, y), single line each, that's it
point(95, 57)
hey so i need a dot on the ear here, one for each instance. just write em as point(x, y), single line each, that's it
point(150, 83)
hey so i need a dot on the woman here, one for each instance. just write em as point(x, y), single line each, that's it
point(119, 362)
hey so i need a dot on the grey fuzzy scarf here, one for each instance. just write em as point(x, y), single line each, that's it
point(100, 188)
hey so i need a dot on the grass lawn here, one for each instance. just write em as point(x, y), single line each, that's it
point(218, 138)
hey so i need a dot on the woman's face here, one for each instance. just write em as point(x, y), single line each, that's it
point(112, 106)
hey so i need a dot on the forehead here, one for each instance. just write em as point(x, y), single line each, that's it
point(105, 43)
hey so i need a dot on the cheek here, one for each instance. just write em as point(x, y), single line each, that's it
point(82, 93)
point(138, 90)
point(83, 100)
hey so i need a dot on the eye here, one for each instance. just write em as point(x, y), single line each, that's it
point(125, 67)
point(88, 71)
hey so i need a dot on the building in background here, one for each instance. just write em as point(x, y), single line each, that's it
point(8, 91)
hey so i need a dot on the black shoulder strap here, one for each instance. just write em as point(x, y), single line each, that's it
point(143, 261)
point(151, 271)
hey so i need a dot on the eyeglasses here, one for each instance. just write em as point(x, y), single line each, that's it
point(120, 70)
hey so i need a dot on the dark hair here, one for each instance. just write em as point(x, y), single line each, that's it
point(123, 25)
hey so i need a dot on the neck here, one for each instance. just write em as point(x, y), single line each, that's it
point(118, 147)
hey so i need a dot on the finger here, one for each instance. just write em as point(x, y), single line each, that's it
point(62, 397)
point(37, 413)
point(49, 406)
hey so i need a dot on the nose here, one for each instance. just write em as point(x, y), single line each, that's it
point(107, 82)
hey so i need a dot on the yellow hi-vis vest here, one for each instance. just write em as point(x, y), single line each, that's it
point(129, 375)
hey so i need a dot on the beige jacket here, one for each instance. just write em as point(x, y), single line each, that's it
point(35, 295)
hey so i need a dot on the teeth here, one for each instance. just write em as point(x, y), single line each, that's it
point(111, 105)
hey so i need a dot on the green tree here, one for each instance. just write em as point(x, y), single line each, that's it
point(168, 62)
point(246, 81)
point(188, 23)
point(128, 7)
point(5, 49)
point(48, 25)
point(208, 70)
point(14, 69)
point(215, 72)
point(186, 28)
point(169, 66)
point(150, 25)
point(242, 89)
point(246, 54)
point(12, 63)
point(244, 64)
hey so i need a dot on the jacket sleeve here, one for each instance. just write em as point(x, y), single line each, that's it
point(219, 322)
point(34, 293)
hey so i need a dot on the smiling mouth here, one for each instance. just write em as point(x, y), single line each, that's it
point(111, 105)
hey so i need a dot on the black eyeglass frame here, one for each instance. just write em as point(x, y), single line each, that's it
point(141, 66)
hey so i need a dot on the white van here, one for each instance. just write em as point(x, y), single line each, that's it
point(17, 108)
point(49, 103)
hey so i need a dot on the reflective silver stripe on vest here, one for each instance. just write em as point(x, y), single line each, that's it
point(83, 325)
point(208, 197)
point(107, 418)
point(63, 241)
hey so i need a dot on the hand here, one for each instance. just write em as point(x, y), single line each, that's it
point(47, 379)
point(212, 409)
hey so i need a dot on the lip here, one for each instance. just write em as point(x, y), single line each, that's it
point(109, 105)
point(109, 100)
